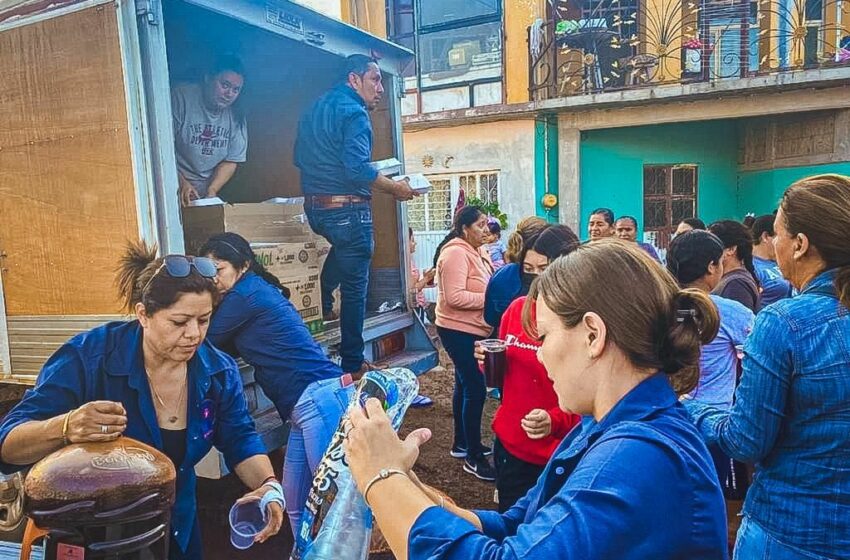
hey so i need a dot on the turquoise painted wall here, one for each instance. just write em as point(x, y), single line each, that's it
point(612, 166)
point(759, 191)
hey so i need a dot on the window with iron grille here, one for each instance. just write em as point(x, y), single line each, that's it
point(432, 212)
point(669, 196)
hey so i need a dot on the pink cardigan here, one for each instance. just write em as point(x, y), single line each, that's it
point(462, 276)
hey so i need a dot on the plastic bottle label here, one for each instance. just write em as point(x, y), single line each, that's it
point(324, 489)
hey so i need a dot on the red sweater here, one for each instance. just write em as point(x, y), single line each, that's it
point(527, 387)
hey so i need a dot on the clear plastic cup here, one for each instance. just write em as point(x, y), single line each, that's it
point(246, 520)
point(494, 361)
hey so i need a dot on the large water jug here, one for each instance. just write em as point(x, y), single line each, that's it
point(337, 523)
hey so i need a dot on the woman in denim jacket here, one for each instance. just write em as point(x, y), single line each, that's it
point(791, 415)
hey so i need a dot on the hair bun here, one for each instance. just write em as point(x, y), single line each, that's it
point(694, 321)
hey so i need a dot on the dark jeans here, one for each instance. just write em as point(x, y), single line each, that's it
point(470, 391)
point(722, 464)
point(349, 231)
point(514, 477)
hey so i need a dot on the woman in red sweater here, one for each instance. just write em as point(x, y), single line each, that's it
point(528, 424)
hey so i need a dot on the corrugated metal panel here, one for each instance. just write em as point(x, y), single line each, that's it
point(32, 339)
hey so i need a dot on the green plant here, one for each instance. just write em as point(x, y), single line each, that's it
point(491, 209)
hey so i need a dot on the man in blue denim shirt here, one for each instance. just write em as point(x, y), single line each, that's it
point(792, 409)
point(333, 150)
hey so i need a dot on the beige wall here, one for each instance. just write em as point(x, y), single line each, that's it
point(507, 147)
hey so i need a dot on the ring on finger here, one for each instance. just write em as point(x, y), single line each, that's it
point(104, 429)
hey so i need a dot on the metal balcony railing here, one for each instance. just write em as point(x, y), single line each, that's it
point(592, 46)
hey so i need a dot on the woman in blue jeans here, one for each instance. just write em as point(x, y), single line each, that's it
point(791, 414)
point(255, 322)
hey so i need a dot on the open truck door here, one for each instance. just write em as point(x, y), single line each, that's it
point(291, 56)
point(74, 183)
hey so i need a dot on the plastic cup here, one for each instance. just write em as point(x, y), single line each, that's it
point(246, 520)
point(494, 361)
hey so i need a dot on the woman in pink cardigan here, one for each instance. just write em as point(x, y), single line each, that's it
point(462, 276)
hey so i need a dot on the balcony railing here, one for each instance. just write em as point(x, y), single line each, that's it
point(592, 46)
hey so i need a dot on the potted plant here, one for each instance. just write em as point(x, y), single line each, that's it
point(692, 51)
point(491, 209)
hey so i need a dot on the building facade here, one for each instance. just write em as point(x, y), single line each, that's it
point(659, 109)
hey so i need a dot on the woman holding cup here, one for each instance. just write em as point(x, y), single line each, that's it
point(528, 425)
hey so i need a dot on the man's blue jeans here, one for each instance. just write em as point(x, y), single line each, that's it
point(754, 543)
point(350, 233)
point(313, 422)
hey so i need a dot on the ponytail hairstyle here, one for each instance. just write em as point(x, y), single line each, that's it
point(142, 278)
point(819, 208)
point(690, 254)
point(761, 225)
point(737, 235)
point(660, 326)
point(235, 249)
point(525, 230)
point(464, 217)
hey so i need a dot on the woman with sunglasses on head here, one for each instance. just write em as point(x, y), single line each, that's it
point(634, 483)
point(154, 379)
point(255, 322)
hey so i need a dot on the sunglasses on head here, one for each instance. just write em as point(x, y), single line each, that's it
point(180, 266)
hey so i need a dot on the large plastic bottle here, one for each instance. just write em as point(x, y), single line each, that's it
point(337, 523)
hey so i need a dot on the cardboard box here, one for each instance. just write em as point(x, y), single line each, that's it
point(289, 260)
point(256, 222)
point(306, 296)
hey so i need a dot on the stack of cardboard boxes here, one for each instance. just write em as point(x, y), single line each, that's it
point(282, 241)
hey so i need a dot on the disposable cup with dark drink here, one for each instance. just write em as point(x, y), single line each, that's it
point(494, 361)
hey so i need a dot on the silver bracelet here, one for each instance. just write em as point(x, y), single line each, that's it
point(383, 474)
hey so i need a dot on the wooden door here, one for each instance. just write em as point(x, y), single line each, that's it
point(67, 197)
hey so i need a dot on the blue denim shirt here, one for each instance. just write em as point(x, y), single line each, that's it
point(334, 145)
point(638, 484)
point(791, 418)
point(256, 322)
point(503, 288)
point(106, 363)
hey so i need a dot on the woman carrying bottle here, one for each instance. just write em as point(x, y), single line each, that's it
point(635, 482)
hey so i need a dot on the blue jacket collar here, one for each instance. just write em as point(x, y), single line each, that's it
point(823, 282)
point(347, 90)
point(124, 358)
point(650, 395)
point(124, 355)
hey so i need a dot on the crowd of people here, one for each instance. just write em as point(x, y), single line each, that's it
point(641, 388)
point(635, 379)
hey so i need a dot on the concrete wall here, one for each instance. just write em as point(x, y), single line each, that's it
point(507, 147)
point(612, 166)
point(759, 191)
